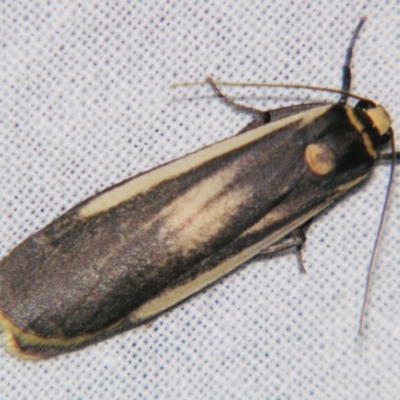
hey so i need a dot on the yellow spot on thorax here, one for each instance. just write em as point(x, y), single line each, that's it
point(319, 158)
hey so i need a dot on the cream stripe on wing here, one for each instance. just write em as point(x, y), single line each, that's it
point(119, 194)
point(170, 297)
point(202, 212)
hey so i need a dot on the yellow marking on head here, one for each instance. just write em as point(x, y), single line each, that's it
point(357, 125)
point(368, 144)
point(131, 188)
point(380, 119)
point(319, 158)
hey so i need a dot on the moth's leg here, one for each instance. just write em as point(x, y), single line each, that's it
point(262, 117)
point(295, 239)
point(388, 156)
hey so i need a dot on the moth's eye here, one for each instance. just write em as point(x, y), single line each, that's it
point(386, 136)
point(363, 105)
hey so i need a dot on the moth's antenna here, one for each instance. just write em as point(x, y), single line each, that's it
point(346, 79)
point(393, 158)
point(345, 94)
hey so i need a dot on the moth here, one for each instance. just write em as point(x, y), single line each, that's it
point(128, 254)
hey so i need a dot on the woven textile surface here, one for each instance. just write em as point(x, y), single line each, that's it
point(85, 103)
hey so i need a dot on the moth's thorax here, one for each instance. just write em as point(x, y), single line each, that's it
point(373, 125)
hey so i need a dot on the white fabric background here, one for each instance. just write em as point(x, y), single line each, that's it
point(85, 102)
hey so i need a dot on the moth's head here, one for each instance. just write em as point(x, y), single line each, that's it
point(379, 119)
